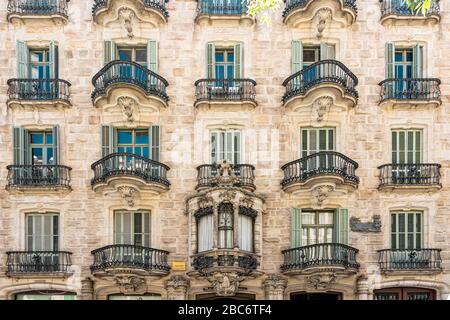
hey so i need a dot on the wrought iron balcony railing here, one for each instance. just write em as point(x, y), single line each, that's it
point(416, 259)
point(321, 72)
point(22, 262)
point(130, 256)
point(221, 7)
point(128, 72)
point(411, 89)
point(132, 165)
point(416, 174)
point(38, 89)
point(292, 5)
point(320, 164)
point(223, 258)
point(159, 5)
point(320, 255)
point(38, 176)
point(208, 175)
point(225, 90)
point(38, 7)
point(400, 8)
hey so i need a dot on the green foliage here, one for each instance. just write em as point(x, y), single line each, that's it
point(418, 6)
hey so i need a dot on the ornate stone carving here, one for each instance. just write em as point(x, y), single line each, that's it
point(129, 284)
point(126, 16)
point(128, 194)
point(321, 107)
point(320, 281)
point(225, 174)
point(226, 284)
point(323, 16)
point(204, 202)
point(274, 286)
point(128, 107)
point(177, 287)
point(228, 196)
point(321, 193)
point(358, 226)
point(247, 202)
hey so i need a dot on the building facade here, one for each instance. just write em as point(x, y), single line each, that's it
point(182, 150)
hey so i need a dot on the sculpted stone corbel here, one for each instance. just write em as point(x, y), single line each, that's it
point(129, 284)
point(320, 281)
point(126, 16)
point(128, 107)
point(128, 194)
point(321, 107)
point(321, 193)
point(323, 16)
point(225, 284)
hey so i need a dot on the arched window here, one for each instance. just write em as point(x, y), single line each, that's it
point(205, 229)
point(226, 226)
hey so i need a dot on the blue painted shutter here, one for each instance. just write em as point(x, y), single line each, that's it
point(210, 61)
point(296, 228)
point(22, 60)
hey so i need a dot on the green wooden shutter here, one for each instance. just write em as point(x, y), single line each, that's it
point(107, 140)
point(296, 228)
point(53, 60)
point(56, 144)
point(155, 142)
point(297, 56)
point(19, 146)
point(211, 61)
point(417, 71)
point(110, 51)
point(341, 226)
point(327, 51)
point(238, 61)
point(390, 60)
point(152, 56)
point(22, 60)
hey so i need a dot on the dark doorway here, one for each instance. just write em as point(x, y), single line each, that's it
point(405, 294)
point(239, 296)
point(325, 296)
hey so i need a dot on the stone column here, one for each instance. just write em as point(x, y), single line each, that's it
point(362, 288)
point(274, 286)
point(87, 289)
point(177, 287)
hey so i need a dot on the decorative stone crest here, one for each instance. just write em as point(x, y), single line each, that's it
point(126, 16)
point(358, 226)
point(323, 16)
point(321, 107)
point(177, 287)
point(225, 174)
point(128, 194)
point(129, 284)
point(226, 284)
point(320, 281)
point(321, 193)
point(128, 107)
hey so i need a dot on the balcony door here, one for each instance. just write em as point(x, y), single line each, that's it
point(226, 145)
point(407, 155)
point(404, 294)
point(137, 55)
point(315, 140)
point(317, 227)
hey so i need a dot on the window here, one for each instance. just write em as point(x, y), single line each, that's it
point(146, 55)
point(132, 228)
point(311, 55)
point(406, 230)
point(406, 146)
point(135, 54)
point(246, 225)
point(42, 232)
point(133, 141)
point(302, 56)
point(36, 147)
point(403, 63)
point(317, 227)
point(149, 296)
point(316, 140)
point(46, 295)
point(224, 62)
point(41, 147)
point(404, 294)
point(226, 145)
point(226, 226)
point(205, 230)
point(37, 63)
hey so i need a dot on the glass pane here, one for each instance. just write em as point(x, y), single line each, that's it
point(50, 158)
point(401, 222)
point(125, 55)
point(145, 152)
point(230, 72)
point(138, 151)
point(138, 222)
point(309, 55)
point(398, 56)
point(37, 156)
point(141, 55)
point(36, 56)
point(37, 138)
point(312, 236)
point(220, 57)
point(220, 72)
point(326, 218)
point(323, 140)
point(330, 139)
point(312, 142)
point(308, 218)
point(49, 138)
point(230, 57)
point(142, 137)
point(409, 56)
point(418, 222)
point(125, 137)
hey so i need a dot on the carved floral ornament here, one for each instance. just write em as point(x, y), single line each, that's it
point(321, 107)
point(321, 193)
point(320, 281)
point(128, 106)
point(126, 17)
point(323, 17)
point(225, 175)
point(130, 284)
point(128, 194)
point(226, 284)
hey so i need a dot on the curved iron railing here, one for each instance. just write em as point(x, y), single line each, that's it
point(225, 258)
point(225, 90)
point(38, 89)
point(130, 256)
point(292, 5)
point(38, 176)
point(321, 163)
point(129, 72)
point(320, 255)
point(411, 89)
point(207, 174)
point(400, 8)
point(221, 7)
point(410, 174)
point(129, 164)
point(325, 71)
point(38, 7)
point(159, 5)
point(423, 259)
point(38, 262)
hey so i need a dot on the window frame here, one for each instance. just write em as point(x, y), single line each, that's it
point(44, 146)
point(236, 154)
point(46, 63)
point(406, 232)
point(133, 144)
point(406, 132)
point(317, 130)
point(316, 226)
point(55, 237)
point(122, 235)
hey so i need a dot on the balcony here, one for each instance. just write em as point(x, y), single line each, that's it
point(38, 263)
point(327, 167)
point(129, 169)
point(341, 13)
point(229, 94)
point(410, 93)
point(414, 261)
point(410, 176)
point(225, 260)
point(26, 11)
point(108, 12)
point(38, 178)
point(320, 257)
point(326, 78)
point(129, 80)
point(224, 12)
point(50, 93)
point(210, 176)
point(121, 258)
point(397, 12)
